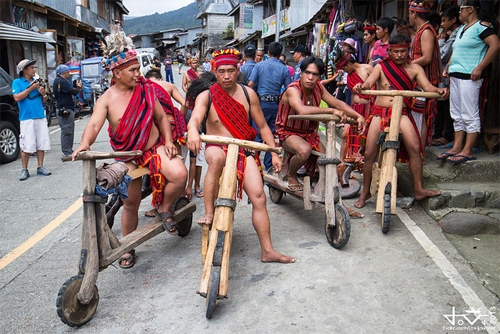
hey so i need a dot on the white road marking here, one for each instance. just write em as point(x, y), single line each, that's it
point(468, 295)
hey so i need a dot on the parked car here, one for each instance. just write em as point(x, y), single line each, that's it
point(9, 120)
point(145, 60)
point(92, 79)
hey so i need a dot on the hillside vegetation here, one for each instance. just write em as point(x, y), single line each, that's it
point(180, 18)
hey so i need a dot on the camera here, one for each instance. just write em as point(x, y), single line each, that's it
point(63, 112)
point(40, 82)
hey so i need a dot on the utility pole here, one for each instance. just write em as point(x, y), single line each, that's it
point(278, 23)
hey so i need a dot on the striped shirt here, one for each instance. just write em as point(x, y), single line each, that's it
point(469, 49)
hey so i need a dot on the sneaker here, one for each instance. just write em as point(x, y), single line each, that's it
point(42, 171)
point(24, 175)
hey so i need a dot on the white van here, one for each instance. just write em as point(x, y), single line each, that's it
point(145, 60)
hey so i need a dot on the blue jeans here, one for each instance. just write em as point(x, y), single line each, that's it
point(270, 110)
point(169, 76)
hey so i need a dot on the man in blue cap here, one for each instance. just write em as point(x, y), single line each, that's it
point(64, 90)
point(298, 54)
point(247, 68)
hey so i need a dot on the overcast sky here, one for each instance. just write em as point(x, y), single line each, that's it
point(148, 7)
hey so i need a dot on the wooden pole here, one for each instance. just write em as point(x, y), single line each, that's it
point(92, 155)
point(404, 93)
point(331, 179)
point(223, 218)
point(89, 235)
point(241, 143)
point(390, 155)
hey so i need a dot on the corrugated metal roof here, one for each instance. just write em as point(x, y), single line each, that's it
point(8, 31)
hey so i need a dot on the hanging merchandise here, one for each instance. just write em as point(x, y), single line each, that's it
point(320, 41)
point(347, 17)
point(333, 21)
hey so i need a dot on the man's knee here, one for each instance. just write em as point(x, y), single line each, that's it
point(215, 161)
point(258, 199)
point(303, 151)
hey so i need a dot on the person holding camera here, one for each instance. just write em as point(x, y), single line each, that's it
point(63, 91)
point(30, 95)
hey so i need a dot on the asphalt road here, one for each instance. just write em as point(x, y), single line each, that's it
point(411, 280)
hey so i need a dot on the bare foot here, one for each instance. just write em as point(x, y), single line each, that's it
point(274, 256)
point(361, 201)
point(188, 193)
point(205, 220)
point(354, 214)
point(424, 193)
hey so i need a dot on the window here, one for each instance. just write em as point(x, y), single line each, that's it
point(102, 9)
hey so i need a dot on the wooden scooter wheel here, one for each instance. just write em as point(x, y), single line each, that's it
point(338, 235)
point(275, 194)
point(213, 292)
point(183, 226)
point(69, 309)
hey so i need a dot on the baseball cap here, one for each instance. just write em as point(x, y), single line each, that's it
point(62, 69)
point(249, 50)
point(24, 63)
point(300, 48)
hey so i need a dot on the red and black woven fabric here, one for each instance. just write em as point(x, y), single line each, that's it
point(234, 117)
point(352, 79)
point(306, 129)
point(397, 77)
point(192, 75)
point(133, 133)
point(179, 124)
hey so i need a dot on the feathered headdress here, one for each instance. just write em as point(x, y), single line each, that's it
point(118, 49)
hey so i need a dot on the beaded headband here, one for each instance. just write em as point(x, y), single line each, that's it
point(422, 7)
point(226, 57)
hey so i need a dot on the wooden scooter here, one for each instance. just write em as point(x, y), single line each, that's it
point(384, 172)
point(216, 245)
point(326, 190)
point(78, 298)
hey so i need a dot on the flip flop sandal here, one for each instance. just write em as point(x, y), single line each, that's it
point(150, 213)
point(444, 156)
point(447, 146)
point(130, 258)
point(293, 187)
point(199, 193)
point(169, 226)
